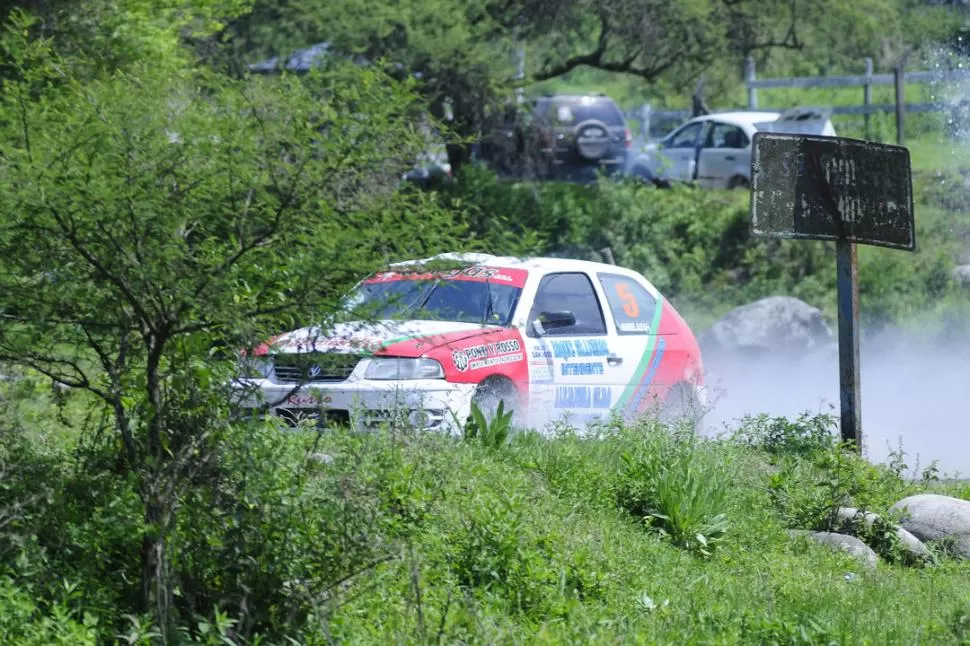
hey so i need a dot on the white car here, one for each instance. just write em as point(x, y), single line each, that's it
point(714, 150)
point(547, 336)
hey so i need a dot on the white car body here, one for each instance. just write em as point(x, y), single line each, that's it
point(714, 150)
point(625, 349)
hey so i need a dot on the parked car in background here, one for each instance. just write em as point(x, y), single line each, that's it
point(714, 150)
point(560, 137)
point(545, 336)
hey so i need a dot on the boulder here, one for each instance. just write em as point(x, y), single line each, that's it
point(932, 517)
point(849, 520)
point(961, 275)
point(770, 325)
point(848, 544)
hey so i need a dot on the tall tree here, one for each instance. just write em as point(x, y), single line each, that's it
point(155, 215)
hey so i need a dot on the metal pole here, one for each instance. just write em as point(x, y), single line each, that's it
point(849, 384)
point(867, 96)
point(900, 81)
point(520, 72)
point(749, 76)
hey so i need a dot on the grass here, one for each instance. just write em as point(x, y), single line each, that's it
point(563, 563)
point(567, 538)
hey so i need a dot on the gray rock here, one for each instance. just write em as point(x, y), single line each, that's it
point(849, 519)
point(770, 325)
point(321, 458)
point(848, 544)
point(961, 275)
point(932, 517)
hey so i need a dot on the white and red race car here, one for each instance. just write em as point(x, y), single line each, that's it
point(547, 336)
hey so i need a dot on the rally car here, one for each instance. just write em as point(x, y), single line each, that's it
point(547, 337)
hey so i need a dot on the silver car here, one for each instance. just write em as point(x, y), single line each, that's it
point(714, 150)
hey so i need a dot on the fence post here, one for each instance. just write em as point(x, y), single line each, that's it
point(867, 96)
point(749, 77)
point(519, 57)
point(900, 81)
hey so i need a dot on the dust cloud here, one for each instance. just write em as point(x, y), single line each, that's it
point(915, 394)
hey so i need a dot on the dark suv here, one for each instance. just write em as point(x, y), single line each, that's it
point(562, 137)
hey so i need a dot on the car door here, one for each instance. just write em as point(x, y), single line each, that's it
point(573, 367)
point(635, 309)
point(679, 152)
point(725, 156)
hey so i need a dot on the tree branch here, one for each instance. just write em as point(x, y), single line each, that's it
point(593, 59)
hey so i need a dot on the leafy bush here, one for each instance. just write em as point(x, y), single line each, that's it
point(809, 492)
point(492, 433)
point(24, 621)
point(805, 436)
point(676, 486)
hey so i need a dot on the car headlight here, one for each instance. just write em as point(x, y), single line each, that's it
point(398, 368)
point(255, 368)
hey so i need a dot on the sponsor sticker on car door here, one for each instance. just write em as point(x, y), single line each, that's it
point(568, 344)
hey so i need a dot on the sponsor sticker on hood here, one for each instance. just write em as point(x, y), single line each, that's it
point(507, 276)
point(487, 355)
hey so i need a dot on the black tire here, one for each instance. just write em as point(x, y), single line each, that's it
point(683, 406)
point(492, 391)
point(588, 148)
point(739, 182)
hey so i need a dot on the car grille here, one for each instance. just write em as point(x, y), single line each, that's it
point(314, 367)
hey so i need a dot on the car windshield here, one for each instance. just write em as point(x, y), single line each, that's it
point(436, 300)
point(573, 110)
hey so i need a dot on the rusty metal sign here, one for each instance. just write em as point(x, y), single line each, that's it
point(830, 188)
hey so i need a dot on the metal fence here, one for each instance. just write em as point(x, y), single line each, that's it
point(655, 123)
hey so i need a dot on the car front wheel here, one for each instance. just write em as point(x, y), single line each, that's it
point(490, 393)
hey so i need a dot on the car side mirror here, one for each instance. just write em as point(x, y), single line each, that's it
point(547, 321)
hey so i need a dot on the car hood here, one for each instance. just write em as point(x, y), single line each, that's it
point(392, 338)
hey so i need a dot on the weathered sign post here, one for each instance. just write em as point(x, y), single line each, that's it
point(846, 190)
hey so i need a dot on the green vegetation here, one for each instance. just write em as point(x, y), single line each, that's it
point(161, 210)
point(645, 532)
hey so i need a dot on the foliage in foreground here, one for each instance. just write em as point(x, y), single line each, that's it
point(405, 536)
point(153, 223)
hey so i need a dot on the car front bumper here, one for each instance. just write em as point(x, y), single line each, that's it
point(429, 404)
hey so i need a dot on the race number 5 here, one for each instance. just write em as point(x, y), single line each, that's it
point(630, 306)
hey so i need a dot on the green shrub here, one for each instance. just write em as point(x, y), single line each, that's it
point(805, 436)
point(25, 622)
point(809, 492)
point(491, 433)
point(676, 486)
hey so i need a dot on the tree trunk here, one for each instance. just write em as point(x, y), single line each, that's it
point(156, 589)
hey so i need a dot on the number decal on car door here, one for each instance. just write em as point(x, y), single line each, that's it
point(630, 306)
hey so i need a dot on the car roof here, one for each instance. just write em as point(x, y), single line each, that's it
point(542, 264)
point(739, 118)
point(576, 97)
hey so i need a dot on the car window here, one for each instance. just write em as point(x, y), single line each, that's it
point(686, 137)
point(569, 111)
point(569, 292)
point(435, 300)
point(632, 306)
point(724, 135)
